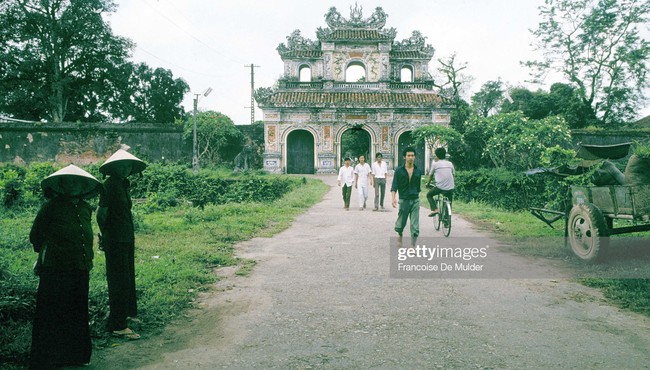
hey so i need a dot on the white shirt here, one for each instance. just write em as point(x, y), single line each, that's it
point(379, 171)
point(443, 171)
point(346, 174)
point(363, 170)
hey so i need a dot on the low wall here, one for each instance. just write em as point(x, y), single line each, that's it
point(85, 143)
point(610, 137)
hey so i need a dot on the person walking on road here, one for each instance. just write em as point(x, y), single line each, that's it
point(379, 169)
point(406, 182)
point(118, 239)
point(362, 181)
point(346, 174)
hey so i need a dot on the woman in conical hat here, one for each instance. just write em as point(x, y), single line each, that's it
point(63, 237)
point(118, 239)
point(122, 163)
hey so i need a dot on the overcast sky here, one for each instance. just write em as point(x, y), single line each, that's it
point(208, 42)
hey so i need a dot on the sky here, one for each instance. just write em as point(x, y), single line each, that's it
point(208, 43)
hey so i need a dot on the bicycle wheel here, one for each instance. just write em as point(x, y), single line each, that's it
point(445, 215)
point(437, 219)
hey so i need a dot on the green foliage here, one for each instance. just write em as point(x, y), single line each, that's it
point(633, 294)
point(510, 140)
point(53, 71)
point(354, 143)
point(155, 95)
point(642, 150)
point(165, 186)
point(436, 136)
point(598, 46)
point(177, 251)
point(562, 99)
point(501, 188)
point(218, 140)
point(488, 99)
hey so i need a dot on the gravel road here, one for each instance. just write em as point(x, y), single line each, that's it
point(321, 297)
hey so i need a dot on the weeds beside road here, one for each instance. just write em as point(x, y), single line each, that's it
point(177, 250)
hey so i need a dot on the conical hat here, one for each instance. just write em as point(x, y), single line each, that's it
point(119, 158)
point(88, 185)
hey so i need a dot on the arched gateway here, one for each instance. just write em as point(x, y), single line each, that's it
point(354, 77)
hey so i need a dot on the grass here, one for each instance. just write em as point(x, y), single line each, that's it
point(517, 228)
point(177, 252)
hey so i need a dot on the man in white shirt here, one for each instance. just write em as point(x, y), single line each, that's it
point(346, 174)
point(362, 180)
point(443, 172)
point(379, 169)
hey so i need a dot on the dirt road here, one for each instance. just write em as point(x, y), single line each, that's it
point(321, 297)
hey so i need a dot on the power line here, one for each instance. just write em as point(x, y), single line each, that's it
point(190, 34)
point(176, 65)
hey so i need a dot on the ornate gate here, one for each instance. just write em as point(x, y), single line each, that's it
point(300, 152)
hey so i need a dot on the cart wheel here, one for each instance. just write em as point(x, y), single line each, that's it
point(588, 233)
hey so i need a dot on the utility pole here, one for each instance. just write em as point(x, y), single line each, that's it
point(252, 67)
point(195, 152)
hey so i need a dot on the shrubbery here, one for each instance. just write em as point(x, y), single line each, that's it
point(160, 186)
point(508, 189)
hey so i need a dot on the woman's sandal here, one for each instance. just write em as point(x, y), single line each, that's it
point(126, 334)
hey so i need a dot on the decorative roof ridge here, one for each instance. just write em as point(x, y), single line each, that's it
point(295, 42)
point(336, 22)
point(417, 42)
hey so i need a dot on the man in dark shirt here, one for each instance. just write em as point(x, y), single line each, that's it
point(407, 181)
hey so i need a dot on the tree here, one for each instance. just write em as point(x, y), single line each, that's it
point(533, 104)
point(155, 95)
point(597, 46)
point(453, 86)
point(517, 143)
point(488, 99)
point(54, 55)
point(436, 136)
point(562, 99)
point(218, 140)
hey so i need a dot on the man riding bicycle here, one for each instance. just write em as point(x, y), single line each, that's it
point(443, 172)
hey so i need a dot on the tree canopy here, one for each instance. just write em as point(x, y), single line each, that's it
point(55, 54)
point(59, 60)
point(598, 48)
point(218, 139)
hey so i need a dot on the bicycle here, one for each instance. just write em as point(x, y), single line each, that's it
point(443, 217)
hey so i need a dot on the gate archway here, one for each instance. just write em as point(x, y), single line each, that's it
point(300, 152)
point(355, 141)
point(405, 140)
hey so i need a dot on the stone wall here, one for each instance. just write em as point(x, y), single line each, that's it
point(85, 143)
point(610, 137)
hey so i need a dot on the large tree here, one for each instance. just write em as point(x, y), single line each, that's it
point(55, 58)
point(488, 99)
point(562, 99)
point(154, 95)
point(597, 46)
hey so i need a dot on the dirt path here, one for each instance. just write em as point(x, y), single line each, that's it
point(321, 297)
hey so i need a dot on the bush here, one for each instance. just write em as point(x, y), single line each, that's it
point(502, 188)
point(160, 186)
